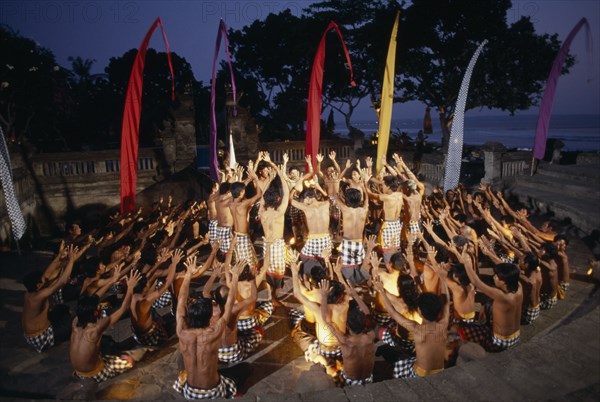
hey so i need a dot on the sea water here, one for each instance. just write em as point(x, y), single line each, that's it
point(577, 132)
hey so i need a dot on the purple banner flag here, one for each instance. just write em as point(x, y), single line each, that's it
point(541, 131)
point(214, 163)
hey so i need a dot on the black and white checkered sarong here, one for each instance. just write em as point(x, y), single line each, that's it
point(405, 368)
point(250, 339)
point(57, 298)
point(390, 337)
point(164, 299)
point(328, 351)
point(314, 246)
point(213, 231)
point(414, 227)
point(247, 323)
point(547, 301)
point(41, 341)
point(263, 311)
point(295, 316)
point(381, 318)
point(353, 252)
point(349, 381)
point(531, 314)
point(245, 251)
point(225, 389)
point(156, 335)
point(297, 215)
point(113, 365)
point(224, 236)
point(482, 334)
point(389, 236)
point(278, 258)
point(231, 354)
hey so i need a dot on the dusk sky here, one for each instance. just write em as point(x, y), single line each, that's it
point(106, 28)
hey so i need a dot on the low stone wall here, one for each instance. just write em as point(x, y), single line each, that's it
point(588, 158)
point(51, 186)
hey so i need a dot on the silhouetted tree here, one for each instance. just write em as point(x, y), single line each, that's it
point(156, 101)
point(34, 95)
point(437, 40)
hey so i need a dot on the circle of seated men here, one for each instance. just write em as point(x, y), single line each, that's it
point(377, 268)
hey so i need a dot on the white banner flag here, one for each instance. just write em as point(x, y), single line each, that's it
point(15, 215)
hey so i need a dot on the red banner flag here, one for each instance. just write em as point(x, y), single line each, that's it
point(315, 93)
point(131, 119)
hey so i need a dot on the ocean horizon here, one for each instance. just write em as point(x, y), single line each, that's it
point(578, 132)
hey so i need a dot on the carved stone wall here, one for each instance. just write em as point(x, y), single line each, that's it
point(245, 133)
point(179, 136)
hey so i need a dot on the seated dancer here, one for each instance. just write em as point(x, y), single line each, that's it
point(531, 280)
point(151, 261)
point(503, 330)
point(179, 277)
point(303, 321)
point(37, 328)
point(200, 327)
point(358, 344)
point(562, 262)
point(254, 315)
point(325, 345)
point(429, 336)
point(233, 348)
point(272, 211)
point(54, 270)
point(549, 290)
point(463, 295)
point(389, 276)
point(148, 327)
point(87, 332)
point(395, 335)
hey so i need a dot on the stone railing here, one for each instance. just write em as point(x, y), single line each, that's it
point(433, 174)
point(514, 168)
point(296, 150)
point(90, 163)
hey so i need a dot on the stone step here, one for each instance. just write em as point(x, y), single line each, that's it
point(583, 212)
point(571, 187)
point(571, 173)
point(557, 358)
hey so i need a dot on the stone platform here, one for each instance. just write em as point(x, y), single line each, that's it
point(558, 358)
point(566, 191)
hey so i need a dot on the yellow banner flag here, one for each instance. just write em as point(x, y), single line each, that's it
point(387, 97)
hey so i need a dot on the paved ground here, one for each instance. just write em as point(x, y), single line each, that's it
point(559, 358)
